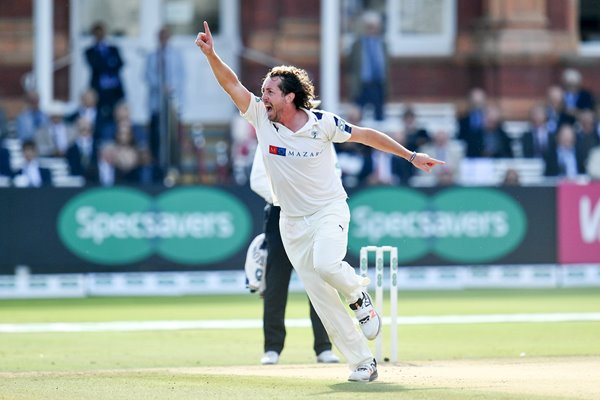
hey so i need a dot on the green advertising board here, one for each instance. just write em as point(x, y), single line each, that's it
point(460, 225)
point(116, 226)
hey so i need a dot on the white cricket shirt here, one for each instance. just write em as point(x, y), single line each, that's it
point(259, 181)
point(300, 165)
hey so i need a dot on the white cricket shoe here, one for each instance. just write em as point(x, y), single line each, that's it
point(368, 319)
point(269, 358)
point(327, 357)
point(365, 372)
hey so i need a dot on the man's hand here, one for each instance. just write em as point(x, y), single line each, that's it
point(204, 40)
point(425, 163)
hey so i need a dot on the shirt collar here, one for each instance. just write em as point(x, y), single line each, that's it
point(312, 121)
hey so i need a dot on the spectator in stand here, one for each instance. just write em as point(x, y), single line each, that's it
point(565, 158)
point(367, 66)
point(491, 141)
point(555, 109)
point(5, 168)
point(148, 172)
point(445, 149)
point(446, 177)
point(31, 174)
point(87, 109)
point(587, 133)
point(470, 123)
point(60, 133)
point(538, 139)
point(122, 116)
point(103, 172)
point(165, 76)
point(575, 97)
point(105, 65)
point(385, 169)
point(593, 163)
point(81, 155)
point(126, 156)
point(416, 136)
point(511, 178)
point(32, 121)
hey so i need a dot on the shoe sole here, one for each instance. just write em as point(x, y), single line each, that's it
point(378, 319)
point(378, 329)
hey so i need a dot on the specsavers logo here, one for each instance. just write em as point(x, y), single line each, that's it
point(122, 225)
point(460, 225)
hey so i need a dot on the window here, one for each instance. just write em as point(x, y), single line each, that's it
point(184, 17)
point(413, 27)
point(589, 27)
point(121, 17)
point(421, 27)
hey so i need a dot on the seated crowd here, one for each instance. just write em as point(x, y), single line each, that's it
point(563, 132)
point(115, 152)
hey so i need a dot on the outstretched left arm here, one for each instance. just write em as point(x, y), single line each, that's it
point(381, 141)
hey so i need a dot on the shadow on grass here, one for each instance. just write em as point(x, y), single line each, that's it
point(377, 387)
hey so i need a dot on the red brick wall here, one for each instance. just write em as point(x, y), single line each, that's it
point(558, 19)
point(468, 12)
point(16, 47)
point(16, 9)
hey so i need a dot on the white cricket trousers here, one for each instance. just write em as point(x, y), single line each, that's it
point(316, 245)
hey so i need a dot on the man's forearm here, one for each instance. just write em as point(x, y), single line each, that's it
point(223, 73)
point(383, 142)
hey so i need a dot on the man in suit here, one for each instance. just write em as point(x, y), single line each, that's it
point(538, 139)
point(555, 109)
point(5, 169)
point(384, 169)
point(565, 159)
point(576, 98)
point(491, 141)
point(105, 64)
point(32, 122)
point(471, 121)
point(31, 174)
point(87, 108)
point(81, 155)
point(368, 66)
point(165, 76)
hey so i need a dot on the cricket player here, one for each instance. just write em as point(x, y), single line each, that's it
point(295, 141)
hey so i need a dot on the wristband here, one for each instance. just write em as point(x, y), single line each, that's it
point(412, 157)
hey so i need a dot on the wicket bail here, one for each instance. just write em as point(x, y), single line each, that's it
point(379, 267)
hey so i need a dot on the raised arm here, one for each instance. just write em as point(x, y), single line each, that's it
point(225, 76)
point(381, 141)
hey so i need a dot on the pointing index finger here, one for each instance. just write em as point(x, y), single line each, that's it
point(207, 29)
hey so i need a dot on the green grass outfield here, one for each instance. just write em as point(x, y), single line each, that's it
point(177, 364)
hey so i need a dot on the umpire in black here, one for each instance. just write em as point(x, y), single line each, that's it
point(277, 279)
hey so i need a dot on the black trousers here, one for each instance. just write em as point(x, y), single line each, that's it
point(279, 271)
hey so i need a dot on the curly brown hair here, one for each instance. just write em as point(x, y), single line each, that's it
point(294, 80)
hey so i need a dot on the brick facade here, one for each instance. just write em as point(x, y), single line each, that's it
point(514, 49)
